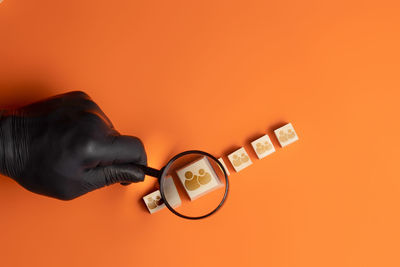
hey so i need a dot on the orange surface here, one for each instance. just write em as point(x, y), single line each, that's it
point(214, 75)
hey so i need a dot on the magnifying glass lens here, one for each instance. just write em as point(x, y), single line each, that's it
point(193, 185)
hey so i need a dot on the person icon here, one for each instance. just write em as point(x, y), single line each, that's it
point(154, 203)
point(151, 203)
point(159, 201)
point(244, 158)
point(236, 161)
point(191, 182)
point(204, 177)
point(260, 148)
point(283, 136)
point(268, 146)
point(290, 134)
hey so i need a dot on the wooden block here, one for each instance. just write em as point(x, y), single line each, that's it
point(223, 164)
point(198, 178)
point(155, 203)
point(263, 146)
point(240, 159)
point(286, 135)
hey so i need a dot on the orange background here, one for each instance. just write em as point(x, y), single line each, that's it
point(162, 70)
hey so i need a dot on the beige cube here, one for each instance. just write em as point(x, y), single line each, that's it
point(286, 135)
point(263, 146)
point(240, 159)
point(155, 203)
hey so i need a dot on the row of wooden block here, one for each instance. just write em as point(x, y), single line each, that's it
point(199, 178)
point(262, 147)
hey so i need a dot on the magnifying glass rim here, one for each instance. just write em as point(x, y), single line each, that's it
point(163, 174)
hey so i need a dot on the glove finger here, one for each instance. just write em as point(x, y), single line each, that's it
point(84, 102)
point(119, 149)
point(107, 175)
point(76, 100)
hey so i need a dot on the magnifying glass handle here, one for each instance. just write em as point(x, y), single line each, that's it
point(151, 171)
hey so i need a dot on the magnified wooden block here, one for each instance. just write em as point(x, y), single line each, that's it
point(240, 159)
point(223, 164)
point(263, 146)
point(198, 178)
point(154, 202)
point(286, 135)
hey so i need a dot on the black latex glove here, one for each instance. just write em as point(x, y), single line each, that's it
point(65, 146)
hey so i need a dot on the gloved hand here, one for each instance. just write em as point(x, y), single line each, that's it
point(65, 146)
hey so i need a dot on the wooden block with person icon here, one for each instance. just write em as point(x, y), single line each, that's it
point(286, 135)
point(198, 178)
point(263, 146)
point(240, 159)
point(154, 202)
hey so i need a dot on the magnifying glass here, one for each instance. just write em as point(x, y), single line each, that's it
point(193, 184)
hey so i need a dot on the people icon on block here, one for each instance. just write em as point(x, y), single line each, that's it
point(286, 136)
point(193, 182)
point(262, 148)
point(198, 178)
point(154, 203)
point(239, 160)
point(204, 177)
